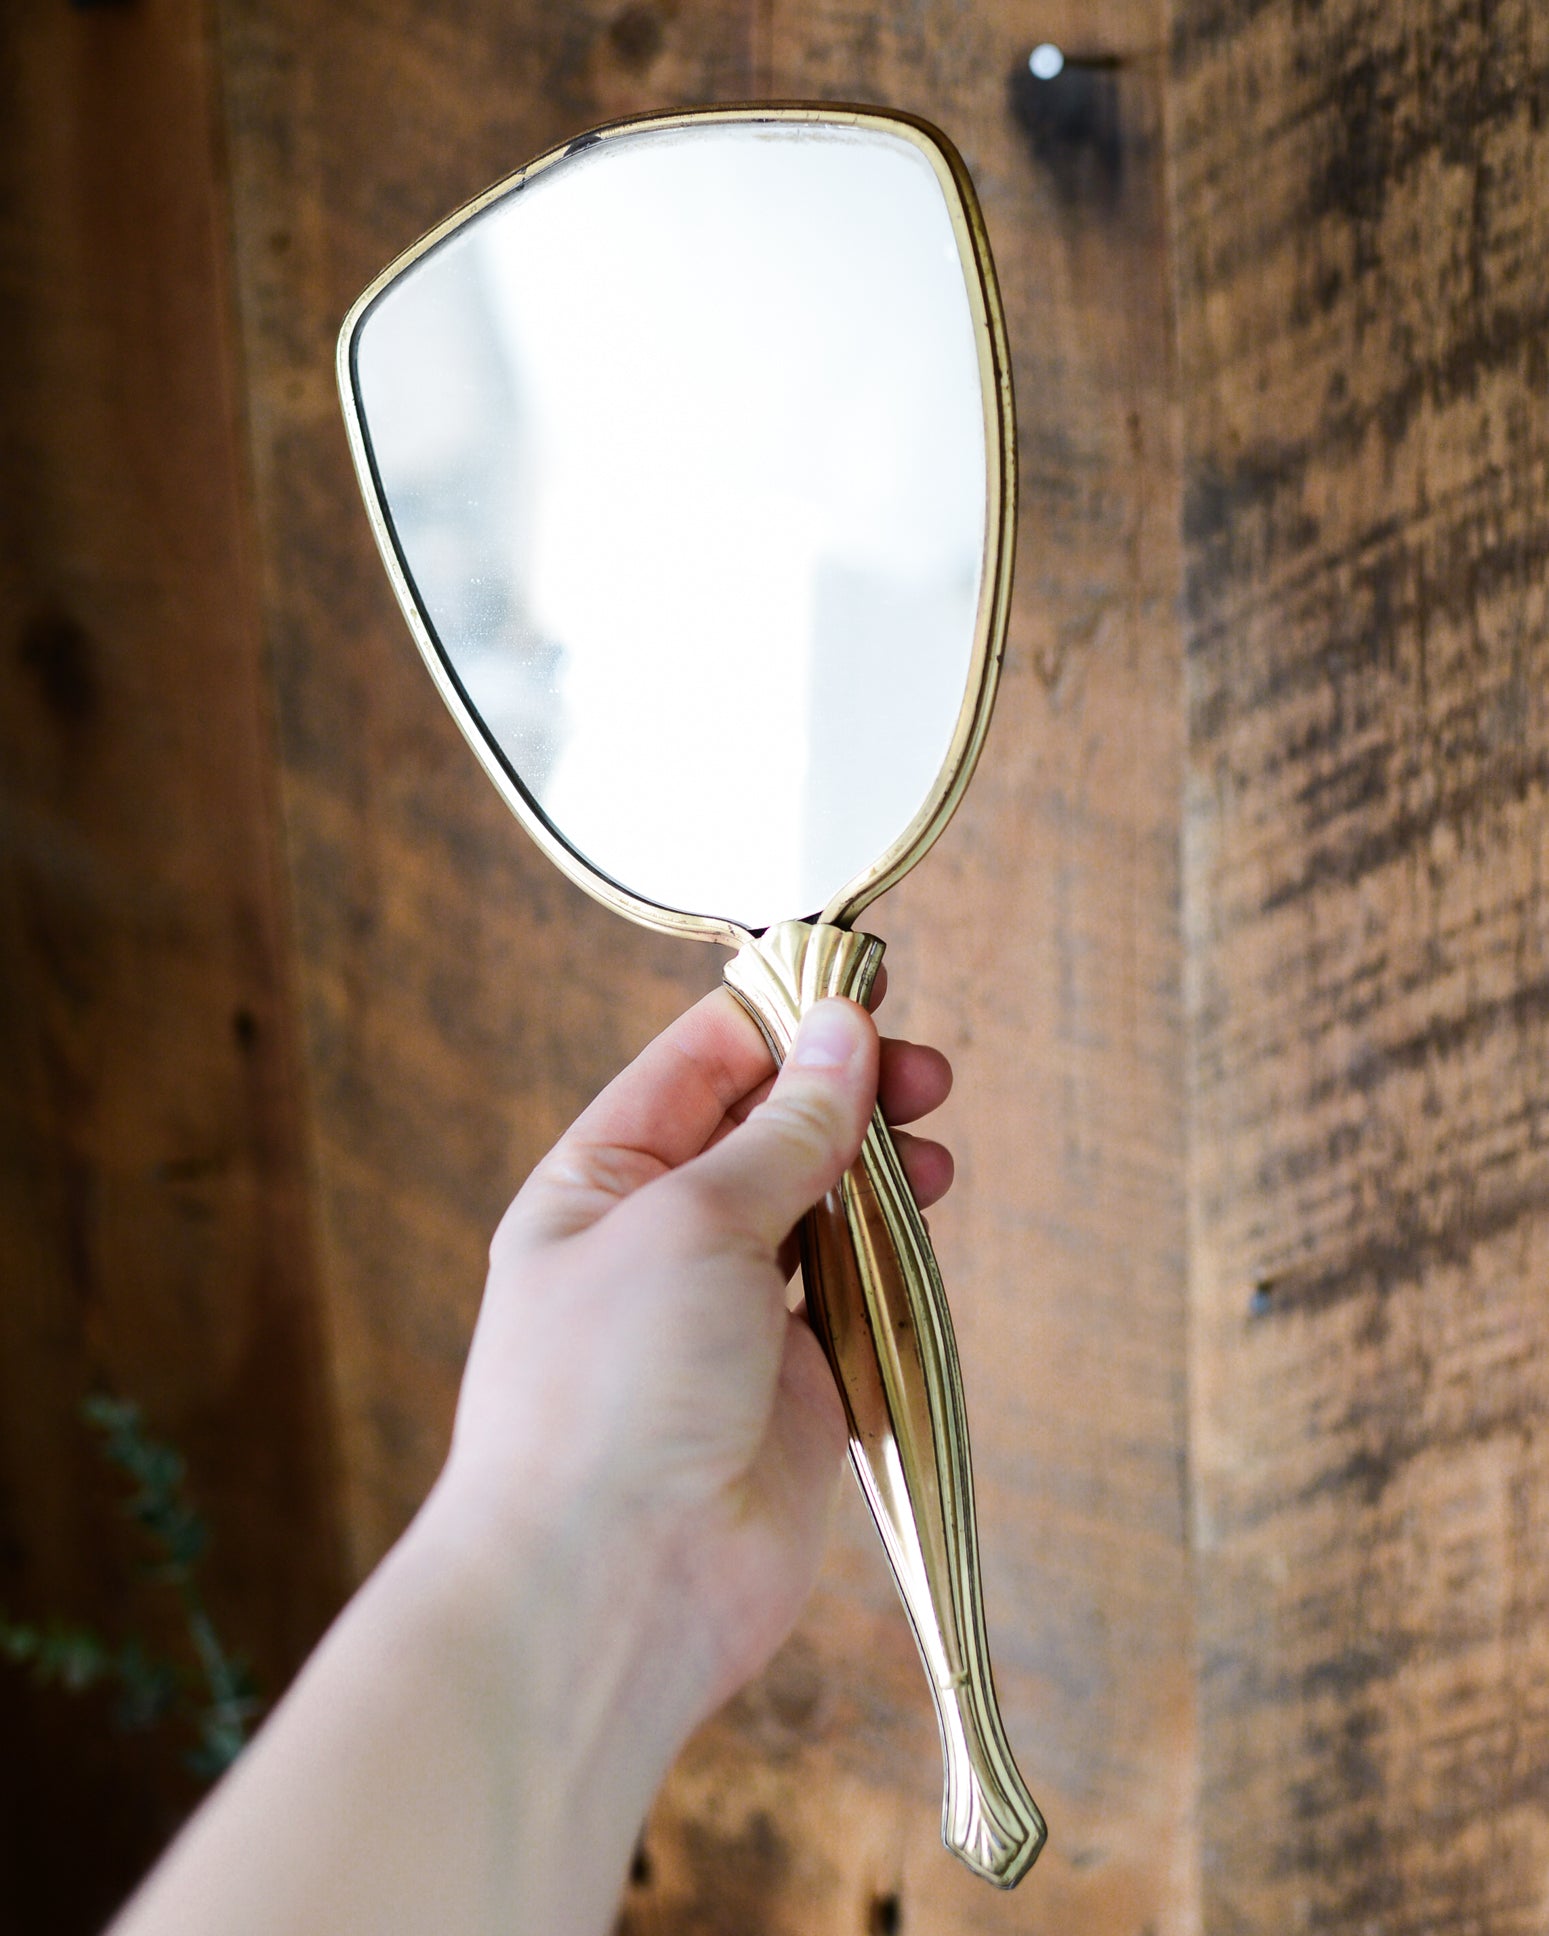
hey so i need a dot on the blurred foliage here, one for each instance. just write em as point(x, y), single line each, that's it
point(211, 1692)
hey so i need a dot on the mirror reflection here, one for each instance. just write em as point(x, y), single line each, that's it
point(682, 446)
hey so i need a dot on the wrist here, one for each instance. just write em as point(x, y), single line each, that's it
point(566, 1628)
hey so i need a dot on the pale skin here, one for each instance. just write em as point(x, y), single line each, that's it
point(631, 1514)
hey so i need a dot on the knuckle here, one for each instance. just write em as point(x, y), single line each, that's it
point(805, 1117)
point(698, 1210)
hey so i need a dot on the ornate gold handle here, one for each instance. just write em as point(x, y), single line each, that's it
point(875, 1300)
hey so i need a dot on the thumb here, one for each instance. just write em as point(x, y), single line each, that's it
point(805, 1134)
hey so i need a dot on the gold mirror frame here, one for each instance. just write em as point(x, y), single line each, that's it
point(874, 1292)
point(1000, 523)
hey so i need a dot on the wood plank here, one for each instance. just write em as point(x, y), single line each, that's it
point(1362, 207)
point(462, 1001)
point(154, 1203)
point(1039, 944)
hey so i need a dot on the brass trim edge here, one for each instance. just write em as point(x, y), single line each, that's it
point(1000, 521)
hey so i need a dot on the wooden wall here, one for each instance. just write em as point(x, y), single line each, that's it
point(1361, 200)
point(1238, 943)
point(157, 1221)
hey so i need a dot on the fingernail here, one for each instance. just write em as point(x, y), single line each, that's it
point(826, 1038)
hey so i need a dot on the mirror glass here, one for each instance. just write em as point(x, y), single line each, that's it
point(681, 444)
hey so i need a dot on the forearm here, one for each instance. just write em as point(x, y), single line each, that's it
point(646, 1446)
point(471, 1750)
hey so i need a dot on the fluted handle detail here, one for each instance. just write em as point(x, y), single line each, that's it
point(875, 1299)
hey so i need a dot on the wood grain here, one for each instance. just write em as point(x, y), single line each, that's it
point(154, 1206)
point(1039, 945)
point(1362, 208)
point(462, 1000)
point(1350, 1158)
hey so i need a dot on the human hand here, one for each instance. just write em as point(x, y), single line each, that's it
point(630, 1517)
point(635, 1369)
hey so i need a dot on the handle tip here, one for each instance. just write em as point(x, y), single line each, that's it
point(999, 1836)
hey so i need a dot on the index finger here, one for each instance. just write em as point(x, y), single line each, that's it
point(669, 1101)
point(672, 1098)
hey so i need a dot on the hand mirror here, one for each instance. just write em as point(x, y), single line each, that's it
point(689, 450)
